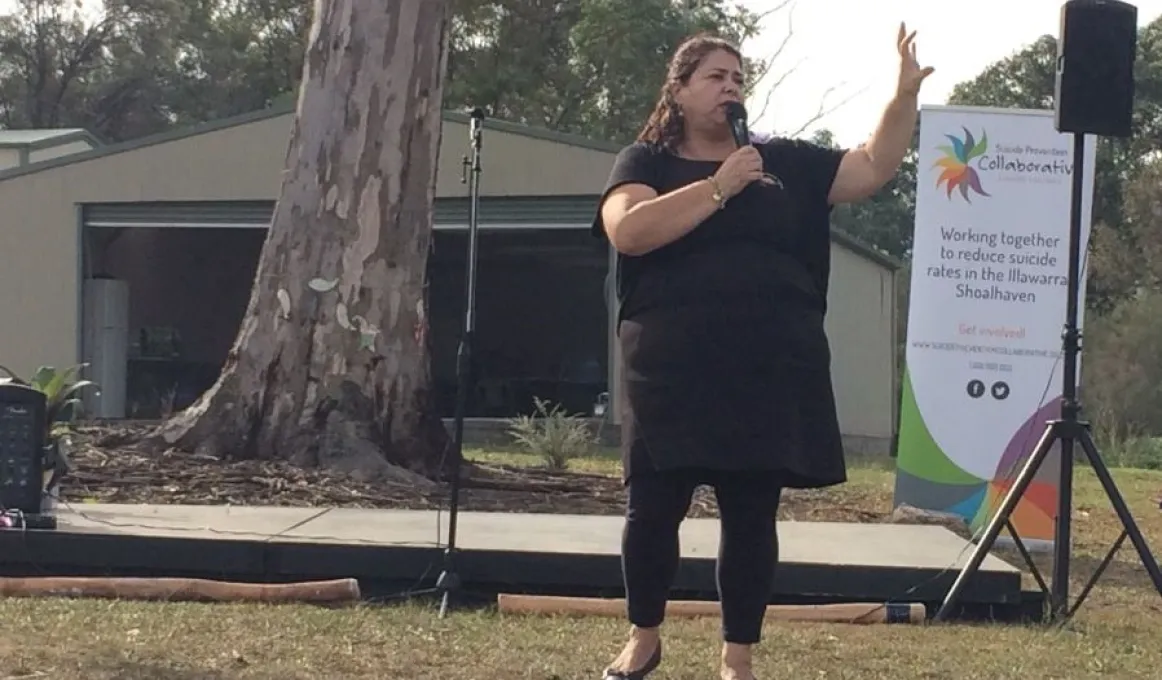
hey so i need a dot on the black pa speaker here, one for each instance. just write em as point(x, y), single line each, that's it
point(1096, 50)
point(22, 441)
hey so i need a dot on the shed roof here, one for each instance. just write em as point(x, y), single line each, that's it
point(287, 107)
point(45, 137)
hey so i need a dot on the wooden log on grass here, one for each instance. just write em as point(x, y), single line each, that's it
point(333, 592)
point(846, 612)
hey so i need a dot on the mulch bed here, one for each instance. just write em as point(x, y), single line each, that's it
point(108, 468)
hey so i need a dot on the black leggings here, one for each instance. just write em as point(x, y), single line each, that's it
point(747, 552)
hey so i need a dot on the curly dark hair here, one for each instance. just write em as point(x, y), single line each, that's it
point(664, 126)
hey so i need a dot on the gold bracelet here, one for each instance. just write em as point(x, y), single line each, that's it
point(718, 196)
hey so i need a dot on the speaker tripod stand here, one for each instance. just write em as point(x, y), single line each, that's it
point(1066, 431)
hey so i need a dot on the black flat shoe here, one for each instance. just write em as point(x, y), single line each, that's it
point(639, 674)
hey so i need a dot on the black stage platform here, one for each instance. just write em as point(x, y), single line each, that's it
point(391, 551)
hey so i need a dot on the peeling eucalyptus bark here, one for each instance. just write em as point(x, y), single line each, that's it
point(330, 367)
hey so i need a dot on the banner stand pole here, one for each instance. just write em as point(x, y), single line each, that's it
point(1068, 430)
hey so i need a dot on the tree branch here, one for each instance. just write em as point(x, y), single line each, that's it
point(89, 47)
point(823, 111)
point(764, 70)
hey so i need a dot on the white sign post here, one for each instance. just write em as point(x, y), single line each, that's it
point(986, 311)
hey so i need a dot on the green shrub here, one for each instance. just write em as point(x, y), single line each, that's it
point(553, 435)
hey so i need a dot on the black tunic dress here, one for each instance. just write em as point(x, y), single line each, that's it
point(726, 365)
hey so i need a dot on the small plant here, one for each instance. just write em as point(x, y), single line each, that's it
point(60, 389)
point(553, 435)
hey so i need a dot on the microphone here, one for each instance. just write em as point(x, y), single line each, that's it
point(736, 117)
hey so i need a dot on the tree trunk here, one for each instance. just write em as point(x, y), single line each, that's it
point(331, 367)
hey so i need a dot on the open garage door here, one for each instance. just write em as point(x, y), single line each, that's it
point(172, 280)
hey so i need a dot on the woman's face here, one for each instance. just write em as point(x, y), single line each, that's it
point(716, 81)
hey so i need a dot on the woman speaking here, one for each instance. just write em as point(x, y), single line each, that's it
point(722, 272)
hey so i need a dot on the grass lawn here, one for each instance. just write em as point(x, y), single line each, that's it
point(1117, 634)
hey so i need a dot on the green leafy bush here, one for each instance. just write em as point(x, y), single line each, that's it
point(553, 435)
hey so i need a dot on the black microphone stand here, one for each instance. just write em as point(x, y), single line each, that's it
point(449, 580)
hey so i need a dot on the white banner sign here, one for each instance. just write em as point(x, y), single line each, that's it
point(986, 310)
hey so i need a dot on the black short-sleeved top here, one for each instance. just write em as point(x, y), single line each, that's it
point(768, 244)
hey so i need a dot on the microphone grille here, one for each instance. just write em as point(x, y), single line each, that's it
point(735, 110)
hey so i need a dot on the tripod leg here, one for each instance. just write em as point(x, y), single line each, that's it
point(1001, 518)
point(1059, 592)
point(1119, 503)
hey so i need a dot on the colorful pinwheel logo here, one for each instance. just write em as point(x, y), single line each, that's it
point(958, 174)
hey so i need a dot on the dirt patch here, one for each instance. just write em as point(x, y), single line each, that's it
point(108, 468)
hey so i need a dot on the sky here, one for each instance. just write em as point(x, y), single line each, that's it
point(843, 52)
point(849, 47)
